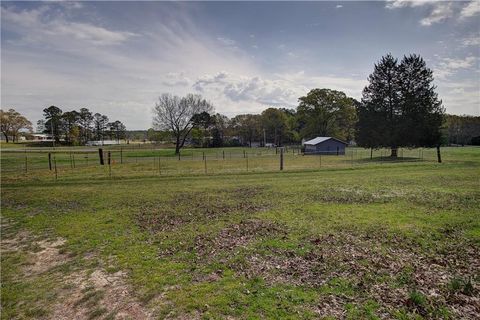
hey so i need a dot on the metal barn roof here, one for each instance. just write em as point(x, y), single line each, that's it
point(318, 140)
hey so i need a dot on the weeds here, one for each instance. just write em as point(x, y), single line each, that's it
point(461, 285)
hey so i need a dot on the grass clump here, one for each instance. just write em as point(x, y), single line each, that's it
point(461, 285)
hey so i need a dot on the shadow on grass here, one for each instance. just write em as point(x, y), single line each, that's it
point(390, 159)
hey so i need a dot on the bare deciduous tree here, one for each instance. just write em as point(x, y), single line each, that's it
point(177, 114)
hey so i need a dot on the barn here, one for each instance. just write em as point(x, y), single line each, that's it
point(325, 145)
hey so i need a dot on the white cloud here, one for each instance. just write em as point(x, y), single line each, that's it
point(87, 32)
point(460, 97)
point(41, 27)
point(25, 18)
point(471, 41)
point(449, 66)
point(277, 89)
point(470, 10)
point(226, 41)
point(70, 5)
point(174, 79)
point(440, 13)
point(240, 88)
point(395, 4)
point(338, 6)
point(439, 10)
point(351, 86)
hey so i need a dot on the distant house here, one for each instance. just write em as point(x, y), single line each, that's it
point(102, 142)
point(41, 137)
point(325, 145)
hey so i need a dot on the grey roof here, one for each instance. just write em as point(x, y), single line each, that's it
point(318, 140)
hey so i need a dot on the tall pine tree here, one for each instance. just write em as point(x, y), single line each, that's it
point(378, 114)
point(422, 111)
point(400, 107)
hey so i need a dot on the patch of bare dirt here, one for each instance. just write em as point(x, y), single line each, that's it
point(81, 294)
point(46, 256)
point(236, 236)
point(15, 243)
point(248, 192)
point(188, 207)
point(374, 267)
point(98, 294)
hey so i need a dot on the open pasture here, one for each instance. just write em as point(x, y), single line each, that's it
point(347, 238)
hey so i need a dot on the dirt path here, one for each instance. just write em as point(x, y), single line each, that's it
point(79, 294)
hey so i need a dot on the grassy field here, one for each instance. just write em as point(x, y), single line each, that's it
point(356, 239)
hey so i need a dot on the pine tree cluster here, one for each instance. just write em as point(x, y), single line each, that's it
point(400, 107)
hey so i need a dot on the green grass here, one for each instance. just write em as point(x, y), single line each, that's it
point(364, 241)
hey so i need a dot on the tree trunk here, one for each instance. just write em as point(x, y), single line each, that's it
point(394, 152)
point(177, 145)
point(439, 157)
point(6, 137)
point(371, 153)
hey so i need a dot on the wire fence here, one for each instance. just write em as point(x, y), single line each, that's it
point(125, 162)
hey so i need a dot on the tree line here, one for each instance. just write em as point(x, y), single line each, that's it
point(320, 112)
point(79, 127)
point(462, 130)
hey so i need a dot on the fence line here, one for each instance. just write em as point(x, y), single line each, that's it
point(121, 162)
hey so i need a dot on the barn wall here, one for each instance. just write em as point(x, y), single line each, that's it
point(326, 147)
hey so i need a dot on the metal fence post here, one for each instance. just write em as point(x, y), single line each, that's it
point(26, 162)
point(159, 168)
point(109, 164)
point(100, 154)
point(55, 164)
point(281, 159)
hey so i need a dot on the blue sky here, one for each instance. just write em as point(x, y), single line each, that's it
point(116, 58)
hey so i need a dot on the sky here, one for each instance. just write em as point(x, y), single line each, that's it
point(116, 58)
